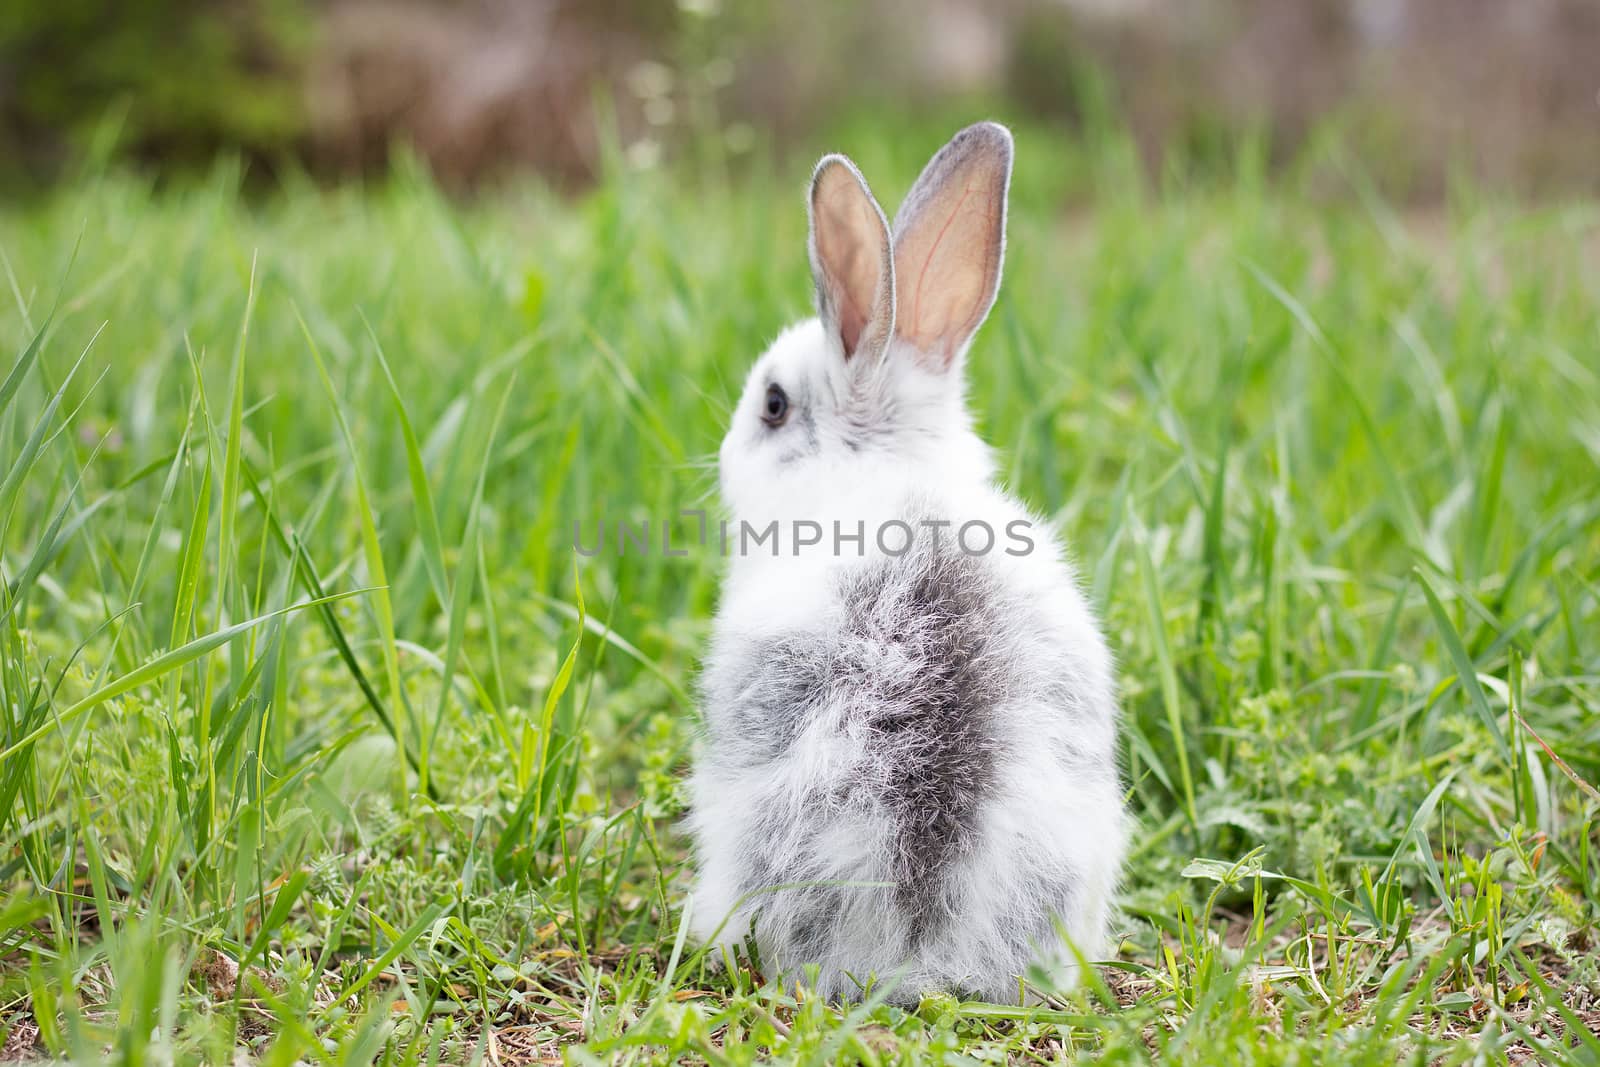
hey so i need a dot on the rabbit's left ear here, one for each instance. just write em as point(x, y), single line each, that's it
point(851, 261)
point(949, 242)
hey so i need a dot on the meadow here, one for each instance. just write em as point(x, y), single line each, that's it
point(321, 744)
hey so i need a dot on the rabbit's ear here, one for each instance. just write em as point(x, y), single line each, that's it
point(949, 241)
point(851, 259)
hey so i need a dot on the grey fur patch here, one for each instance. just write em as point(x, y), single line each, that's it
point(808, 420)
point(914, 666)
point(931, 715)
point(768, 694)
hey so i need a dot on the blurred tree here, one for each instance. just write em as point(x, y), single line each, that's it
point(480, 87)
point(184, 77)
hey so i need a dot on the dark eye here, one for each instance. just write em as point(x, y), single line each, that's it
point(776, 407)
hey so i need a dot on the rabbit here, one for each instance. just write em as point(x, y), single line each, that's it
point(906, 772)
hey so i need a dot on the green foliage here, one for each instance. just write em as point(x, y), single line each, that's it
point(311, 747)
point(177, 79)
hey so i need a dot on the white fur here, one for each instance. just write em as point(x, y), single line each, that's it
point(881, 440)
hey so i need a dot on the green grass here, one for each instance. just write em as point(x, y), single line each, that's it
point(311, 746)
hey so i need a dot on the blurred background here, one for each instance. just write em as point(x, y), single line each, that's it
point(1507, 93)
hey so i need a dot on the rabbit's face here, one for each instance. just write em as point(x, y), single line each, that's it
point(786, 407)
point(876, 378)
point(806, 412)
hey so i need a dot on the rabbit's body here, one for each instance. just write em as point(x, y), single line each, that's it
point(908, 768)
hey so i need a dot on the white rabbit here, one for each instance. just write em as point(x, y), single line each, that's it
point(908, 768)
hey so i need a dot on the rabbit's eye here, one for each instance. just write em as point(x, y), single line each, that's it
point(776, 408)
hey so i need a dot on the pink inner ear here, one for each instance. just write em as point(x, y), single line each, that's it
point(850, 241)
point(856, 296)
point(915, 325)
point(851, 322)
point(947, 248)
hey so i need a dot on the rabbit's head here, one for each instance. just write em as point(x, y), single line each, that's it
point(875, 381)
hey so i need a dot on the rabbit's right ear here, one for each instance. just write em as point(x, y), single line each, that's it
point(852, 260)
point(949, 242)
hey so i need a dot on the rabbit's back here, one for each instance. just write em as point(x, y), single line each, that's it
point(931, 736)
